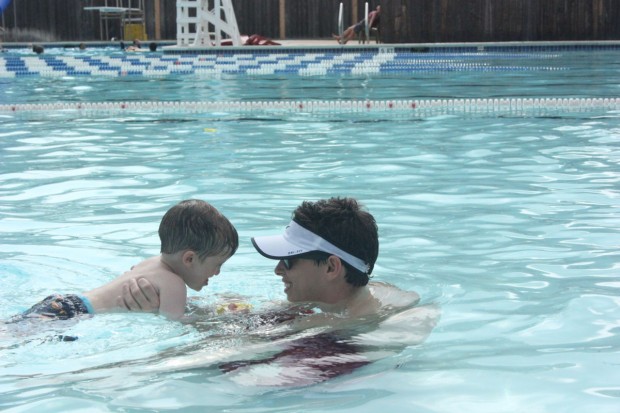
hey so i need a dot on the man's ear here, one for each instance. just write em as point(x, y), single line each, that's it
point(335, 267)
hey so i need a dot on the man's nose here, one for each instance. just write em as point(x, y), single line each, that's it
point(280, 268)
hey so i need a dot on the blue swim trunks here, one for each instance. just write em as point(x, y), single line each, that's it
point(359, 27)
point(58, 307)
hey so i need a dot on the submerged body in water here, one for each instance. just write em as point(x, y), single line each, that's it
point(299, 345)
point(272, 345)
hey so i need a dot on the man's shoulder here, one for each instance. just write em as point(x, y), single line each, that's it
point(390, 295)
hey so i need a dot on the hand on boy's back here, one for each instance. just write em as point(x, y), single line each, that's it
point(139, 295)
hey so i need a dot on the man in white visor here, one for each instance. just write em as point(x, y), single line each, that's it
point(325, 258)
point(326, 255)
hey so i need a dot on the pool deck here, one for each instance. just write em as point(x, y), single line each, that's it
point(331, 44)
point(284, 43)
point(310, 43)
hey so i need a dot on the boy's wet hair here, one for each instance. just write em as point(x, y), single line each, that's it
point(196, 225)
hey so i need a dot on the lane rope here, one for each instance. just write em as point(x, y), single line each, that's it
point(416, 107)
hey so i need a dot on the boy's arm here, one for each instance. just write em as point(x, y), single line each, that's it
point(172, 297)
point(142, 295)
point(139, 295)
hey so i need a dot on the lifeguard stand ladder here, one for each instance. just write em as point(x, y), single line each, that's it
point(205, 23)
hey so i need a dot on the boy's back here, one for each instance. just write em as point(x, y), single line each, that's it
point(170, 286)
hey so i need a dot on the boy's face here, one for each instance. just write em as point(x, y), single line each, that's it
point(201, 270)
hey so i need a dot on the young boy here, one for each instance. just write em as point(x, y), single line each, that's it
point(196, 240)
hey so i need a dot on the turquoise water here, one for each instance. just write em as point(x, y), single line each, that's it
point(508, 223)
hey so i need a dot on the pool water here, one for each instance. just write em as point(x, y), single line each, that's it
point(508, 223)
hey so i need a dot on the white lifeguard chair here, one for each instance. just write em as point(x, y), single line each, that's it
point(205, 23)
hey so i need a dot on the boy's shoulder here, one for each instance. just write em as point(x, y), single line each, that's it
point(156, 272)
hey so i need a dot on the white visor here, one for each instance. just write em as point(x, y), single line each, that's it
point(297, 240)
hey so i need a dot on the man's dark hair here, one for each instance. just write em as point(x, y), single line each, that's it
point(346, 224)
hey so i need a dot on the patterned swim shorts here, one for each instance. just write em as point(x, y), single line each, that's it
point(59, 307)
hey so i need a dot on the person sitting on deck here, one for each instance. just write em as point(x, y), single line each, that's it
point(350, 32)
point(252, 40)
point(258, 40)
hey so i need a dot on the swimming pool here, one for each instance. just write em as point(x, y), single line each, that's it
point(506, 219)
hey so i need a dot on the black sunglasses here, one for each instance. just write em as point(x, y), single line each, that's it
point(313, 255)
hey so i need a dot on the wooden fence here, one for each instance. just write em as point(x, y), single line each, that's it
point(67, 20)
point(402, 21)
point(440, 21)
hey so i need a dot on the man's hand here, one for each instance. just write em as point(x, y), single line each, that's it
point(139, 295)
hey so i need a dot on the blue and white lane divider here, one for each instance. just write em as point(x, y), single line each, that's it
point(307, 64)
point(422, 107)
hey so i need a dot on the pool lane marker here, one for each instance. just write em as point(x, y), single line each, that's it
point(302, 64)
point(423, 106)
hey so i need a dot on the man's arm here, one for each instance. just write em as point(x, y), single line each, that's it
point(372, 16)
point(139, 295)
